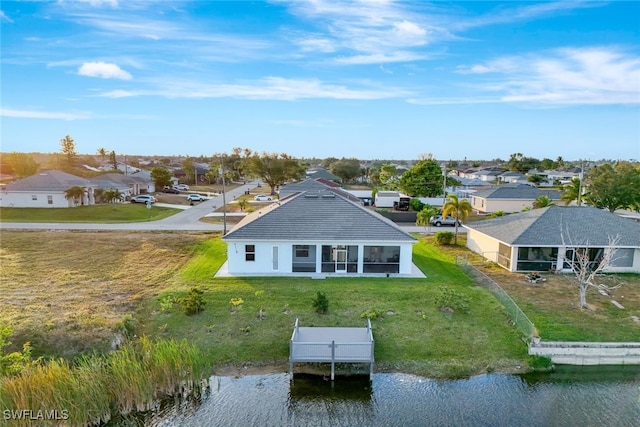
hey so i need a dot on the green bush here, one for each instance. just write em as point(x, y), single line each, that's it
point(444, 237)
point(193, 303)
point(128, 326)
point(415, 204)
point(371, 313)
point(450, 299)
point(321, 303)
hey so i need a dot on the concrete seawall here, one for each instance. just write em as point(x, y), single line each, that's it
point(588, 353)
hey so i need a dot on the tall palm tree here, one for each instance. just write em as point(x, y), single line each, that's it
point(459, 209)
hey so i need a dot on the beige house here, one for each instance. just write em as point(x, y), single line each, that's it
point(547, 239)
point(509, 198)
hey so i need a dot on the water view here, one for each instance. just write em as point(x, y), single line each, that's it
point(570, 396)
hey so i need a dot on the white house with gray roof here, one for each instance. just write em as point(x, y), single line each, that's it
point(546, 239)
point(45, 190)
point(318, 232)
point(509, 198)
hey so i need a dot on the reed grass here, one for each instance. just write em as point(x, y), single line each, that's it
point(96, 388)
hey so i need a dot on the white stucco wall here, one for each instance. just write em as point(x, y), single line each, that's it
point(483, 244)
point(263, 263)
point(26, 200)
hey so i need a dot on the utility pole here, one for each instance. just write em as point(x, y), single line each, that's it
point(224, 203)
point(444, 184)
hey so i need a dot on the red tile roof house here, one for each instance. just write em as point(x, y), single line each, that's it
point(318, 232)
point(545, 239)
point(45, 190)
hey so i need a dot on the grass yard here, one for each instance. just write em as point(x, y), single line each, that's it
point(553, 306)
point(111, 213)
point(67, 292)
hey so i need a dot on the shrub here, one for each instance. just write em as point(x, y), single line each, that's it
point(321, 303)
point(166, 302)
point(371, 313)
point(193, 303)
point(450, 299)
point(128, 326)
point(444, 237)
point(415, 204)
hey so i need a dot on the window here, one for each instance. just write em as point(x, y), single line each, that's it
point(249, 252)
point(302, 251)
point(50, 200)
point(34, 197)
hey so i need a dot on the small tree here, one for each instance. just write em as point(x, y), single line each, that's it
point(542, 202)
point(423, 217)
point(193, 303)
point(586, 269)
point(321, 303)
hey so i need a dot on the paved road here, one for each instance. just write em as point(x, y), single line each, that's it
point(187, 220)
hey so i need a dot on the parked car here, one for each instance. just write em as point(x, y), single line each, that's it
point(438, 221)
point(196, 198)
point(168, 189)
point(181, 187)
point(262, 198)
point(143, 198)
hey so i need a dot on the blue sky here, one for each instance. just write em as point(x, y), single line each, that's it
point(371, 79)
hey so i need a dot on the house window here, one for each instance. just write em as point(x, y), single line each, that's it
point(50, 200)
point(34, 197)
point(249, 252)
point(302, 251)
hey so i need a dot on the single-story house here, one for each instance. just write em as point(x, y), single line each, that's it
point(318, 233)
point(509, 198)
point(546, 239)
point(46, 189)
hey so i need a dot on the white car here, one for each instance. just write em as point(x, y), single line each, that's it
point(143, 198)
point(196, 198)
point(262, 198)
point(181, 187)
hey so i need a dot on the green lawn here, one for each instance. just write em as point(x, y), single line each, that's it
point(112, 213)
point(412, 335)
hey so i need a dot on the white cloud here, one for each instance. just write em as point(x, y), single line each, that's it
point(4, 17)
point(587, 76)
point(269, 88)
point(103, 70)
point(97, 3)
point(30, 114)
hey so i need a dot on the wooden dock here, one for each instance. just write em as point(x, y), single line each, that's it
point(331, 345)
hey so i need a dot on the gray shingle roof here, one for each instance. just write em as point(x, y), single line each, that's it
point(48, 180)
point(321, 215)
point(578, 225)
point(516, 191)
point(313, 185)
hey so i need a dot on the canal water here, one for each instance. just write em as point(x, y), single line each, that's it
point(569, 396)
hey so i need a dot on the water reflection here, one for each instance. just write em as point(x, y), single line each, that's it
point(568, 397)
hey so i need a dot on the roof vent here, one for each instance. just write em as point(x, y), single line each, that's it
point(310, 195)
point(328, 196)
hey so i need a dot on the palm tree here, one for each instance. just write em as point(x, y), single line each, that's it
point(571, 191)
point(242, 204)
point(424, 216)
point(542, 202)
point(102, 152)
point(74, 193)
point(459, 209)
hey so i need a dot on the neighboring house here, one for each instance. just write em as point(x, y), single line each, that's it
point(544, 239)
point(318, 233)
point(509, 198)
point(128, 185)
point(319, 172)
point(511, 177)
point(45, 190)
